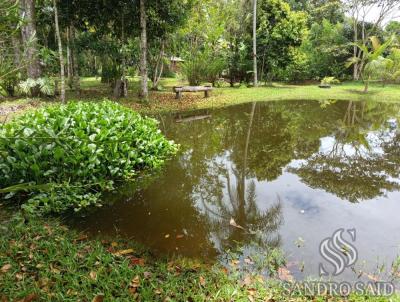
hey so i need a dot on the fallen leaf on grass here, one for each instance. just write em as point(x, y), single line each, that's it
point(202, 281)
point(5, 268)
point(135, 283)
point(123, 252)
point(147, 275)
point(260, 278)
point(252, 291)
point(98, 298)
point(246, 281)
point(233, 223)
point(81, 238)
point(93, 275)
point(137, 261)
point(29, 298)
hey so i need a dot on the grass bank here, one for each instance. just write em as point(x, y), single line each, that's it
point(164, 101)
point(42, 260)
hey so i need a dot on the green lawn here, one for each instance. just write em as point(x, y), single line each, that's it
point(160, 101)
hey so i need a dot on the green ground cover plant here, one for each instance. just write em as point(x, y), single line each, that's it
point(44, 260)
point(61, 157)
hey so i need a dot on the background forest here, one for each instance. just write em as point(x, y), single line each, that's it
point(42, 42)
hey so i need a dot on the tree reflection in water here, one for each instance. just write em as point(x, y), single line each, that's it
point(356, 163)
point(239, 204)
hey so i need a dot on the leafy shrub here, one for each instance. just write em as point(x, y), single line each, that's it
point(201, 67)
point(329, 81)
point(45, 86)
point(64, 155)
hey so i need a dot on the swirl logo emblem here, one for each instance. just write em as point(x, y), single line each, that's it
point(339, 252)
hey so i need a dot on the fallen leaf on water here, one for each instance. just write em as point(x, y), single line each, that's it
point(372, 277)
point(123, 252)
point(114, 244)
point(98, 298)
point(202, 281)
point(167, 236)
point(93, 275)
point(5, 268)
point(180, 236)
point(284, 274)
point(233, 223)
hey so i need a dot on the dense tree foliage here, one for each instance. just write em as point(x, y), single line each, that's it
point(295, 41)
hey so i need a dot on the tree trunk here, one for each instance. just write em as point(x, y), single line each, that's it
point(17, 51)
point(60, 52)
point(366, 86)
point(143, 52)
point(69, 59)
point(255, 42)
point(124, 81)
point(75, 63)
point(355, 50)
point(159, 67)
point(29, 39)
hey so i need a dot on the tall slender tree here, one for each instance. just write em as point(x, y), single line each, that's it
point(255, 42)
point(60, 52)
point(143, 51)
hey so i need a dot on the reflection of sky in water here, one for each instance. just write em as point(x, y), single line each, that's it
point(312, 214)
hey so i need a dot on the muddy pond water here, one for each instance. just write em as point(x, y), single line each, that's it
point(261, 176)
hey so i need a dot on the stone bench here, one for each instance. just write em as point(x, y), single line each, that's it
point(180, 89)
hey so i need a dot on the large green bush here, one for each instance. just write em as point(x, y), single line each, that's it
point(64, 156)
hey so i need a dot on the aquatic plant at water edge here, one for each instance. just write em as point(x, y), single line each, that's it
point(62, 157)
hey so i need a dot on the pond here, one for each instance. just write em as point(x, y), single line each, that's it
point(260, 176)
